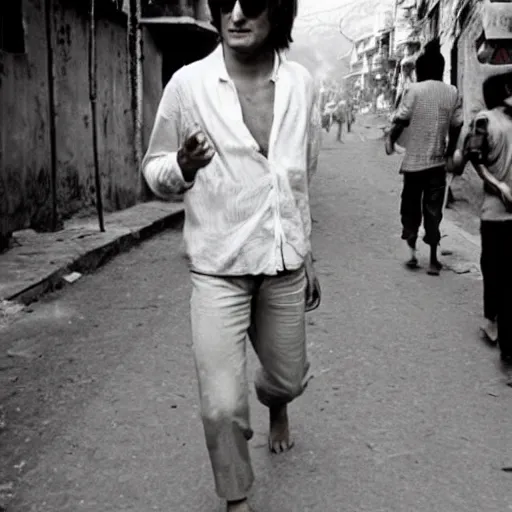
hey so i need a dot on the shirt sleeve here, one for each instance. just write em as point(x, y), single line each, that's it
point(406, 106)
point(160, 166)
point(314, 136)
point(458, 113)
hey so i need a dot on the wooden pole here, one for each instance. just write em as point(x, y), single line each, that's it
point(136, 80)
point(93, 87)
point(48, 10)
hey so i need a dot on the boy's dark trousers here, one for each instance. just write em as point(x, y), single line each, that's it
point(496, 262)
point(422, 198)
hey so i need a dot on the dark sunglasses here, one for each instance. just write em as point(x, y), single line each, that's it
point(250, 8)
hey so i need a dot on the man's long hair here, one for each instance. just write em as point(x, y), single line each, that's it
point(430, 63)
point(281, 14)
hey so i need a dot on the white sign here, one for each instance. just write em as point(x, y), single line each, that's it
point(497, 20)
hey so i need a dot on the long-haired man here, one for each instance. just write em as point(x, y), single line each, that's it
point(238, 133)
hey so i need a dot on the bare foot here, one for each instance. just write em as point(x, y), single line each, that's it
point(279, 436)
point(490, 329)
point(434, 269)
point(412, 263)
point(238, 506)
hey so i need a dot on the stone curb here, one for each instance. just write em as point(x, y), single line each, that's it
point(81, 248)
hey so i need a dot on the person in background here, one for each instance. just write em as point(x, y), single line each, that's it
point(350, 115)
point(339, 117)
point(327, 115)
point(431, 111)
point(488, 146)
point(238, 133)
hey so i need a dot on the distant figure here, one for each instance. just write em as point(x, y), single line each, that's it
point(430, 110)
point(327, 115)
point(350, 116)
point(488, 146)
point(339, 117)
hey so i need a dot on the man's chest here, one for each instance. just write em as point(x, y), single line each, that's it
point(257, 104)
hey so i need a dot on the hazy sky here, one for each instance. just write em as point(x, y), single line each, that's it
point(325, 12)
point(307, 7)
point(333, 13)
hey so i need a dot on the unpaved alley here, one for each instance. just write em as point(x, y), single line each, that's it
point(408, 410)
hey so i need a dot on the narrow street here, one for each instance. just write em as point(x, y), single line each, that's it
point(408, 410)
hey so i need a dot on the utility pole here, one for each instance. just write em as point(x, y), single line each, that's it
point(93, 92)
point(136, 80)
point(48, 10)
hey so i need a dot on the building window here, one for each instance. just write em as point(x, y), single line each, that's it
point(12, 33)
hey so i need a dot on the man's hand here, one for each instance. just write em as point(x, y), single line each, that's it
point(313, 291)
point(455, 163)
point(389, 146)
point(196, 153)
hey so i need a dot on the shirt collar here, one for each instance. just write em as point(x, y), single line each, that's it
point(218, 54)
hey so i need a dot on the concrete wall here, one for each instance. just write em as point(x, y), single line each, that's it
point(153, 88)
point(75, 186)
point(24, 136)
point(469, 82)
point(152, 83)
point(25, 166)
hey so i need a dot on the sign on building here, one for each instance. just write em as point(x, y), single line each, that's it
point(497, 20)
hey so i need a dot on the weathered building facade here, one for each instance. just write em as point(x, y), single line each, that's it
point(476, 41)
point(46, 136)
point(372, 59)
point(406, 40)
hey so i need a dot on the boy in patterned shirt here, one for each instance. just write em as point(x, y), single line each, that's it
point(431, 111)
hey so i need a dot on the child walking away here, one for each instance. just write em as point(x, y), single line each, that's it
point(432, 112)
point(488, 146)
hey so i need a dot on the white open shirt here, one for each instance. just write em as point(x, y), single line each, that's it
point(245, 214)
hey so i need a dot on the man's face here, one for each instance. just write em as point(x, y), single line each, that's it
point(245, 32)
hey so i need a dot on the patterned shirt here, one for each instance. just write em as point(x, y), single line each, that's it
point(430, 107)
point(245, 214)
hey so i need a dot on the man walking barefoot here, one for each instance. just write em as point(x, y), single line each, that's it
point(432, 111)
point(238, 132)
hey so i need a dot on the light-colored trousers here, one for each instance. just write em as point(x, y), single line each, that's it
point(225, 313)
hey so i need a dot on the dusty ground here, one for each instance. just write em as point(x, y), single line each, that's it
point(408, 410)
